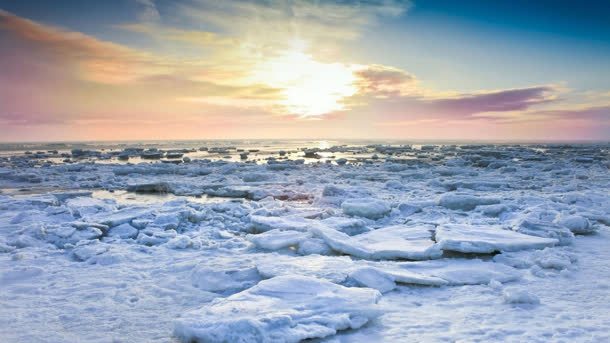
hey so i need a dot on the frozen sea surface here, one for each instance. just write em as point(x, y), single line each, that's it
point(285, 241)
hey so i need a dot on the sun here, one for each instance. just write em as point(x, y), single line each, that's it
point(308, 88)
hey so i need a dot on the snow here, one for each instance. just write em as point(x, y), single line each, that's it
point(519, 296)
point(465, 242)
point(486, 239)
point(219, 276)
point(281, 309)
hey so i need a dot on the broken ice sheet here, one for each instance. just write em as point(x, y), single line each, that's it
point(281, 309)
point(393, 242)
point(487, 239)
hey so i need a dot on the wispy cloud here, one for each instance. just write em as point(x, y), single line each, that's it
point(149, 10)
point(255, 69)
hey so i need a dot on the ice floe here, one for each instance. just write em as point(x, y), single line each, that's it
point(486, 239)
point(365, 207)
point(281, 309)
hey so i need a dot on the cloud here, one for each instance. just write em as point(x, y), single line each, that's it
point(52, 76)
point(383, 81)
point(149, 10)
point(495, 101)
point(90, 58)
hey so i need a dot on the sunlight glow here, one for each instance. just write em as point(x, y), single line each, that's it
point(309, 88)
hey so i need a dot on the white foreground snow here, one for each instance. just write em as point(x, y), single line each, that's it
point(446, 243)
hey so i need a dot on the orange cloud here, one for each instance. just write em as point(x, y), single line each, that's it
point(93, 60)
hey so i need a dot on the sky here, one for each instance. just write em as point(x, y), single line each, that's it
point(377, 69)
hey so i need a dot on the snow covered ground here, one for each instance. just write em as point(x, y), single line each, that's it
point(360, 243)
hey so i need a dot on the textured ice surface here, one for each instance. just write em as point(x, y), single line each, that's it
point(331, 268)
point(365, 207)
point(373, 278)
point(78, 250)
point(486, 239)
point(276, 239)
point(281, 309)
point(393, 242)
point(464, 271)
point(519, 296)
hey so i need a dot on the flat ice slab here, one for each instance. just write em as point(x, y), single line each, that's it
point(394, 242)
point(400, 242)
point(281, 309)
point(464, 271)
point(339, 269)
point(486, 239)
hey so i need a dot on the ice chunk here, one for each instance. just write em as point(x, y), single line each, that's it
point(85, 251)
point(121, 216)
point(548, 258)
point(257, 177)
point(464, 271)
point(333, 191)
point(180, 242)
point(401, 275)
point(263, 223)
point(400, 242)
point(493, 210)
point(465, 202)
point(167, 221)
point(373, 278)
point(577, 224)
point(350, 226)
point(366, 207)
point(282, 309)
point(341, 242)
point(155, 237)
point(314, 246)
point(123, 231)
point(486, 239)
point(337, 268)
point(545, 229)
point(331, 268)
point(394, 242)
point(84, 206)
point(276, 239)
